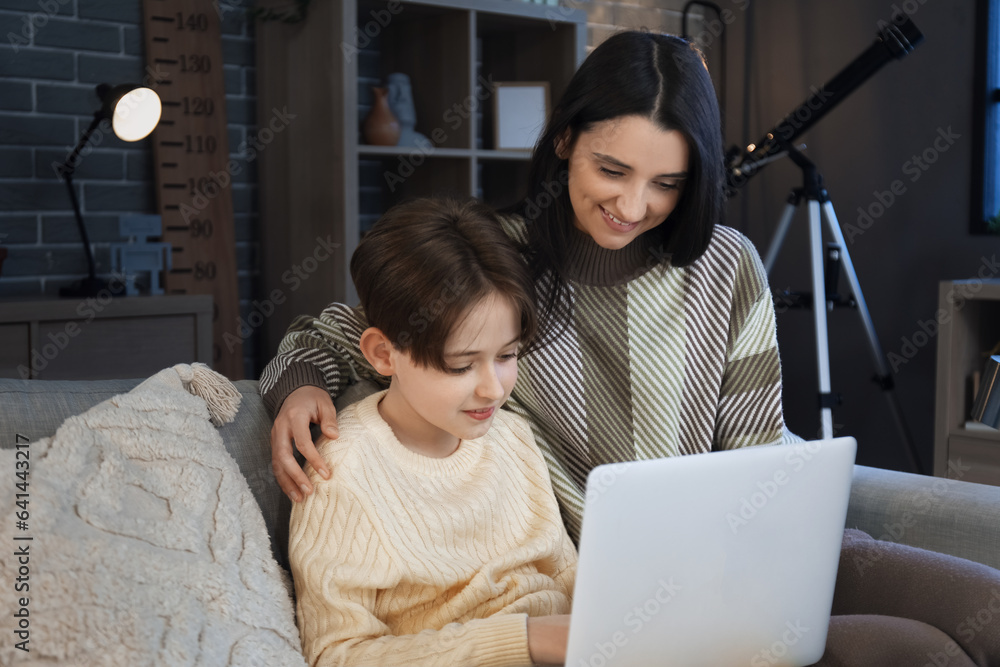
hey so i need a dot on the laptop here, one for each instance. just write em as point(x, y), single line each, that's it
point(720, 559)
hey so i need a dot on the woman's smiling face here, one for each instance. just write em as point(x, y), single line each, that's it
point(626, 176)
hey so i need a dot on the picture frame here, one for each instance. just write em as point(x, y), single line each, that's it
point(520, 111)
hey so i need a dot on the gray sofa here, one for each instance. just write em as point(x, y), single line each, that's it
point(948, 516)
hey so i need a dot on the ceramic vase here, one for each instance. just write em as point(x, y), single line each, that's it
point(401, 104)
point(381, 127)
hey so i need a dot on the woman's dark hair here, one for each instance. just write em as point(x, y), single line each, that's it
point(426, 262)
point(659, 77)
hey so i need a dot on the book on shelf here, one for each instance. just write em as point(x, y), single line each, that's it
point(973, 425)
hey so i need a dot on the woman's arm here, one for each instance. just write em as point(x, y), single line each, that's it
point(340, 567)
point(320, 351)
point(316, 359)
point(750, 398)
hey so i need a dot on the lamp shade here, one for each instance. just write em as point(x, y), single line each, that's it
point(987, 406)
point(134, 110)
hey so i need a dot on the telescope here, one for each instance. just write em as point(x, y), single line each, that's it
point(894, 41)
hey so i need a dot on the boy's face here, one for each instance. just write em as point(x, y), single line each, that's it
point(430, 410)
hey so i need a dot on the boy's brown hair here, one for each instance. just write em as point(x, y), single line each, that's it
point(426, 262)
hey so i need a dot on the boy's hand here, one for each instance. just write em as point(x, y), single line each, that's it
point(547, 639)
point(304, 406)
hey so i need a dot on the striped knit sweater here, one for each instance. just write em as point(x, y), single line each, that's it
point(657, 361)
point(402, 559)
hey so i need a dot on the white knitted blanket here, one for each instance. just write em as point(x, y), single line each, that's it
point(147, 547)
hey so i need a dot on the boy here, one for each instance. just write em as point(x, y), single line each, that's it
point(437, 539)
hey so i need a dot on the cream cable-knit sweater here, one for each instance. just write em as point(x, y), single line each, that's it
point(402, 559)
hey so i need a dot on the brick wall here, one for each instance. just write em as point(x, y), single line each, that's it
point(52, 55)
point(606, 18)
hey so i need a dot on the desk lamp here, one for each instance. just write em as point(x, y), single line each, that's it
point(132, 112)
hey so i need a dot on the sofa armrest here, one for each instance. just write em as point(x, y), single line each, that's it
point(943, 515)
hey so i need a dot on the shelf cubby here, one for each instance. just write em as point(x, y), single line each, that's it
point(968, 322)
point(320, 180)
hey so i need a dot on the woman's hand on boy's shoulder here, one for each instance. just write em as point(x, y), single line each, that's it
point(304, 406)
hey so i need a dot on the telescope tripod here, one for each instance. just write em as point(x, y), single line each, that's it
point(824, 295)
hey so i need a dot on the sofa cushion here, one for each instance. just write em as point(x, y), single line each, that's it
point(146, 545)
point(36, 408)
point(944, 515)
point(248, 441)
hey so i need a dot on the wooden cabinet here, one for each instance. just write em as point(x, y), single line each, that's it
point(968, 322)
point(321, 186)
point(103, 338)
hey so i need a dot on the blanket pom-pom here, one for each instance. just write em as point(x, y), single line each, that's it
point(219, 394)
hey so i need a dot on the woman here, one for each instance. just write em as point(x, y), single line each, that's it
point(665, 343)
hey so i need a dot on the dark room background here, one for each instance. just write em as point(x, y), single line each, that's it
point(780, 49)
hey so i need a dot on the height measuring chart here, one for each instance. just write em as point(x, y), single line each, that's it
point(191, 163)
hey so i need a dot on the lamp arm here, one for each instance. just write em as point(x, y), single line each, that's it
point(66, 170)
point(91, 270)
point(69, 166)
